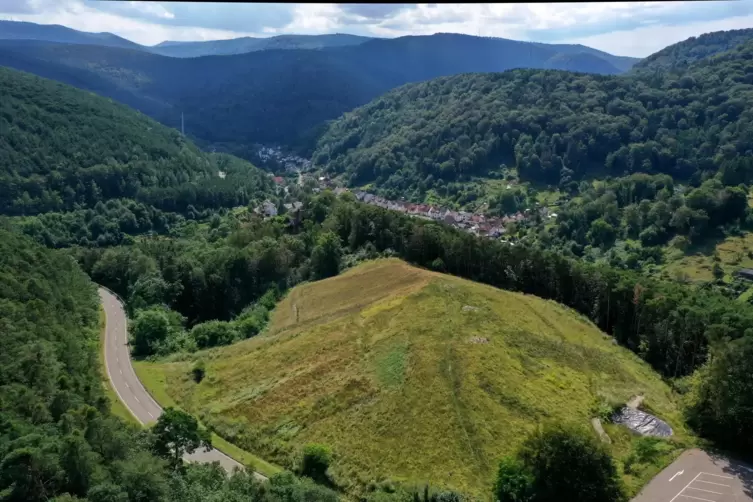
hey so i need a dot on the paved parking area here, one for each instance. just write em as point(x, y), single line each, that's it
point(697, 476)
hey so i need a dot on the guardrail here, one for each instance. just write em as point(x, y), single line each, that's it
point(113, 293)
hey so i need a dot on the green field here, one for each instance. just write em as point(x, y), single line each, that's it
point(411, 376)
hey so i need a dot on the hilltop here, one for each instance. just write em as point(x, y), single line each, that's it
point(408, 375)
point(78, 168)
point(550, 127)
point(682, 54)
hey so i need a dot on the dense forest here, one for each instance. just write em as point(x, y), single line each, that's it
point(553, 127)
point(282, 96)
point(58, 440)
point(680, 55)
point(63, 149)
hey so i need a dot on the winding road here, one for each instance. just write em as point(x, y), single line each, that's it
point(127, 385)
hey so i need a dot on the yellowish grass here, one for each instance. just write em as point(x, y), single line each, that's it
point(153, 379)
point(410, 375)
point(732, 252)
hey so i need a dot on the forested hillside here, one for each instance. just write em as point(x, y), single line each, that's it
point(64, 149)
point(58, 440)
point(280, 96)
point(251, 44)
point(682, 54)
point(553, 127)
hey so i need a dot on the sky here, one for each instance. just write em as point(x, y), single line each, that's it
point(635, 29)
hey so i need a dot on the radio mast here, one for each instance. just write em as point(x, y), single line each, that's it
point(182, 127)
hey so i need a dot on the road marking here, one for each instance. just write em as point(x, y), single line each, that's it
point(691, 481)
point(121, 371)
point(127, 385)
point(697, 498)
point(150, 414)
point(712, 483)
point(702, 490)
point(717, 475)
point(678, 473)
point(137, 400)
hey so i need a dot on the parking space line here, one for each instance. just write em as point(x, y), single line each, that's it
point(697, 498)
point(680, 492)
point(712, 483)
point(702, 490)
point(718, 475)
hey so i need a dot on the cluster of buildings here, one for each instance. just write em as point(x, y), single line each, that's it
point(287, 161)
point(477, 224)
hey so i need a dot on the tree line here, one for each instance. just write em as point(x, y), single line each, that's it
point(679, 329)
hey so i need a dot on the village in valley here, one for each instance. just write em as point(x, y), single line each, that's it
point(492, 227)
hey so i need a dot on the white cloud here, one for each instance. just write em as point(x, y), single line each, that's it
point(645, 41)
point(625, 28)
point(75, 14)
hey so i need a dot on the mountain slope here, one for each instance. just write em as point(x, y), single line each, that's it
point(63, 148)
point(682, 54)
point(251, 44)
point(554, 127)
point(276, 96)
point(410, 375)
point(17, 30)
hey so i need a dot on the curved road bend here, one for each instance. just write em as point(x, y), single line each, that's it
point(127, 385)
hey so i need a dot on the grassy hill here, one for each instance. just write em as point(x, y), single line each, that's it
point(409, 376)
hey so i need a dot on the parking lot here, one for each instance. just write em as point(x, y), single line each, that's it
point(699, 476)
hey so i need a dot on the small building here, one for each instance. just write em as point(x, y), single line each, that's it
point(268, 208)
point(279, 180)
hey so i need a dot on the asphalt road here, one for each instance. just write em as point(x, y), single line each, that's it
point(698, 476)
point(127, 385)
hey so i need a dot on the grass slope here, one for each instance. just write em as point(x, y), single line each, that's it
point(409, 376)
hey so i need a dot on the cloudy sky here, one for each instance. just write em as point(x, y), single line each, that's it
point(624, 28)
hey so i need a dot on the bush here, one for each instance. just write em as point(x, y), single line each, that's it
point(514, 482)
point(198, 371)
point(559, 463)
point(315, 462)
point(214, 333)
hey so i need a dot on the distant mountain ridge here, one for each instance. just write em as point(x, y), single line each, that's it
point(251, 44)
point(682, 54)
point(18, 30)
point(279, 96)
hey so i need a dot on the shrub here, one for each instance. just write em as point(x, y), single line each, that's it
point(315, 462)
point(198, 371)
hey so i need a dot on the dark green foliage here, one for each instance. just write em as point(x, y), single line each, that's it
point(151, 328)
point(177, 433)
point(649, 208)
point(198, 371)
point(315, 462)
point(514, 483)
point(64, 149)
point(724, 403)
point(325, 258)
point(555, 127)
point(682, 54)
point(560, 463)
